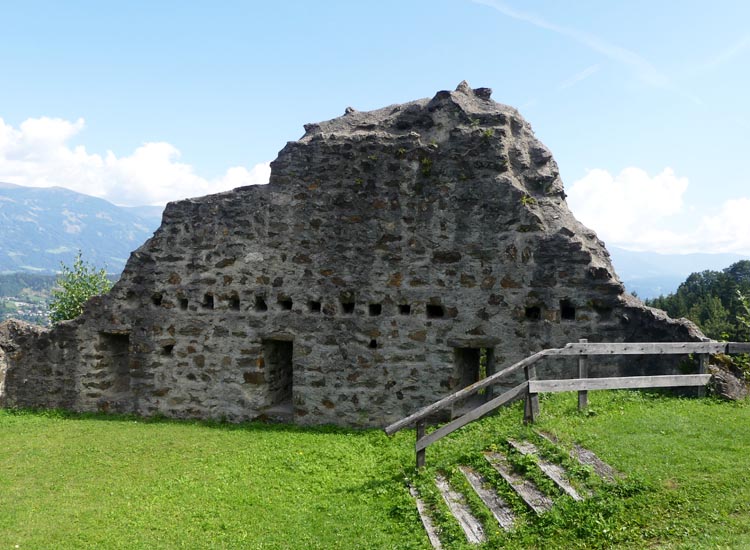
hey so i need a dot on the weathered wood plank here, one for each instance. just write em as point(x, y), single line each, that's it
point(553, 471)
point(420, 434)
point(588, 458)
point(531, 407)
point(499, 508)
point(526, 489)
point(738, 347)
point(703, 359)
point(627, 382)
point(461, 394)
point(479, 412)
point(429, 527)
point(583, 372)
point(456, 503)
point(638, 348)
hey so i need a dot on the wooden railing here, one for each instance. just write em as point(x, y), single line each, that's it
point(532, 387)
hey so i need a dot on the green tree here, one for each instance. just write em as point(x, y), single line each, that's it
point(74, 286)
point(743, 316)
point(713, 300)
point(712, 317)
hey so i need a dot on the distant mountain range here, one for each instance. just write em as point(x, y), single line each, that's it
point(41, 227)
point(650, 275)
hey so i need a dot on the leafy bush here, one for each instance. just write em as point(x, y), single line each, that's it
point(74, 286)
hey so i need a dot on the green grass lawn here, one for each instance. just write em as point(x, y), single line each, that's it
point(71, 481)
point(94, 482)
point(687, 466)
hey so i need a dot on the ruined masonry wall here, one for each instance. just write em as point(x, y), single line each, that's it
point(384, 242)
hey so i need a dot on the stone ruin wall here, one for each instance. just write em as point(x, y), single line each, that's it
point(389, 247)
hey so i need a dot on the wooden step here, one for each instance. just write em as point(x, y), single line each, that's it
point(429, 527)
point(553, 471)
point(526, 489)
point(499, 508)
point(457, 505)
point(601, 468)
point(588, 458)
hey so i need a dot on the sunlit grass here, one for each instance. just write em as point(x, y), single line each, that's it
point(122, 483)
point(686, 462)
point(71, 481)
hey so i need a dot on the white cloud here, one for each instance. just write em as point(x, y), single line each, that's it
point(38, 154)
point(641, 212)
point(729, 230)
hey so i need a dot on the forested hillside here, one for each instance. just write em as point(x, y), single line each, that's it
point(715, 300)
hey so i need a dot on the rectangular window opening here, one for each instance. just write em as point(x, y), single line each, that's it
point(404, 309)
point(314, 306)
point(435, 311)
point(260, 304)
point(567, 310)
point(375, 309)
point(208, 301)
point(533, 313)
point(285, 303)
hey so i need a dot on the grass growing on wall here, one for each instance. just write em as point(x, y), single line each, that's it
point(113, 482)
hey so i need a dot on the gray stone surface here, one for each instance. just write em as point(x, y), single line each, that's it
point(728, 383)
point(344, 291)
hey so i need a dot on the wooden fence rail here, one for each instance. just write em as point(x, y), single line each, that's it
point(531, 387)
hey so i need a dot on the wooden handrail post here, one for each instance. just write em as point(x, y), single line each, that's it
point(420, 452)
point(531, 406)
point(583, 372)
point(702, 367)
point(462, 394)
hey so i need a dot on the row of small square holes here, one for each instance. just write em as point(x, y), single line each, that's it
point(314, 306)
point(567, 311)
point(533, 313)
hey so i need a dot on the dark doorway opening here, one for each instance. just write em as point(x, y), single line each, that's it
point(278, 360)
point(115, 360)
point(472, 365)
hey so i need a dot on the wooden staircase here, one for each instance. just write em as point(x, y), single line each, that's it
point(457, 492)
point(496, 480)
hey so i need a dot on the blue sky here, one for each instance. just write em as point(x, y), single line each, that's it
point(643, 104)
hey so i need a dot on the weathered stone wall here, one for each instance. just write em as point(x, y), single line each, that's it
point(385, 243)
